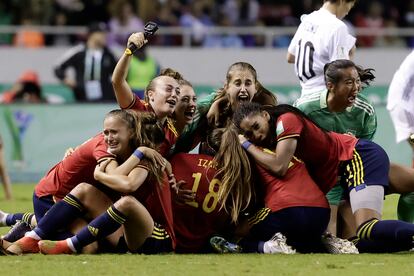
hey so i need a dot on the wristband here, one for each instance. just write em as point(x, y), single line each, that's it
point(246, 144)
point(139, 154)
point(128, 52)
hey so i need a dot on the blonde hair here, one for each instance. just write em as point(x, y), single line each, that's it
point(146, 131)
point(236, 191)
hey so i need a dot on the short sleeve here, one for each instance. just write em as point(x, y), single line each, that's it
point(137, 104)
point(288, 125)
point(342, 42)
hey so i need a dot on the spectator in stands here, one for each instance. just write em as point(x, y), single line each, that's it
point(93, 64)
point(28, 37)
point(142, 70)
point(27, 89)
point(373, 19)
point(123, 23)
point(3, 174)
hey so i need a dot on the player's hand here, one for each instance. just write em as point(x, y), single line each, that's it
point(68, 152)
point(213, 114)
point(137, 39)
point(182, 195)
point(242, 139)
point(100, 168)
point(154, 156)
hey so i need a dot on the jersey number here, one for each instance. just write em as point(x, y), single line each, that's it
point(211, 199)
point(304, 62)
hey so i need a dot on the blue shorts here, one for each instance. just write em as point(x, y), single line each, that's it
point(302, 226)
point(370, 166)
point(41, 205)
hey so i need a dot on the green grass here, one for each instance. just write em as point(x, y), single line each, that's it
point(170, 264)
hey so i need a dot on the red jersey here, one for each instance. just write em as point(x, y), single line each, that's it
point(171, 134)
point(74, 169)
point(321, 151)
point(195, 222)
point(153, 196)
point(295, 189)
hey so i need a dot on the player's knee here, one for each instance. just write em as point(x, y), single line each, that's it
point(82, 190)
point(126, 203)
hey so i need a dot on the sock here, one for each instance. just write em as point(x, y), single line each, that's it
point(60, 215)
point(251, 246)
point(101, 226)
point(366, 246)
point(11, 219)
point(386, 230)
point(32, 234)
point(405, 209)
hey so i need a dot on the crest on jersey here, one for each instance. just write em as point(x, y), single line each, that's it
point(279, 128)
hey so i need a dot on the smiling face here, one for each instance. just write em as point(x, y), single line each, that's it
point(117, 135)
point(186, 106)
point(256, 127)
point(345, 91)
point(240, 87)
point(163, 95)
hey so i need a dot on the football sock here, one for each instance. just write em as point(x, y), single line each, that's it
point(60, 215)
point(101, 226)
point(11, 219)
point(386, 230)
point(366, 246)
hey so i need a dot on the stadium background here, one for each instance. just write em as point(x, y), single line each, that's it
point(36, 136)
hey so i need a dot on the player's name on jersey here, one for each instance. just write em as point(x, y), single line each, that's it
point(206, 163)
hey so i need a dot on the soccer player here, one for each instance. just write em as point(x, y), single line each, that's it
point(363, 165)
point(343, 109)
point(123, 132)
point(199, 217)
point(321, 38)
point(214, 111)
point(400, 105)
point(161, 94)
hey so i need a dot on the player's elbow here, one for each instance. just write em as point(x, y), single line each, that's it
point(279, 170)
point(290, 58)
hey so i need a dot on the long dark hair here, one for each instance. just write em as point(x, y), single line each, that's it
point(332, 74)
point(248, 109)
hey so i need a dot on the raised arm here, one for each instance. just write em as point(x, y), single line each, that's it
point(123, 92)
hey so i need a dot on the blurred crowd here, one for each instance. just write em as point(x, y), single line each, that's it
point(126, 16)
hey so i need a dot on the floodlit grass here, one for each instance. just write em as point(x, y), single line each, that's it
point(170, 264)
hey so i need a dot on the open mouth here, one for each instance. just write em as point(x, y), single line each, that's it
point(189, 114)
point(243, 97)
point(172, 102)
point(351, 99)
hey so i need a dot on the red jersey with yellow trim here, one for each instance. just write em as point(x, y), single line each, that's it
point(74, 169)
point(295, 189)
point(321, 151)
point(195, 222)
point(171, 134)
point(157, 199)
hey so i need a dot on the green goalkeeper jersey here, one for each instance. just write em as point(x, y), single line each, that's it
point(359, 120)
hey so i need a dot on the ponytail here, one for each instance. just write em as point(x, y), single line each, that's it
point(234, 171)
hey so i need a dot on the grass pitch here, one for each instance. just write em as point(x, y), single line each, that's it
point(171, 264)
